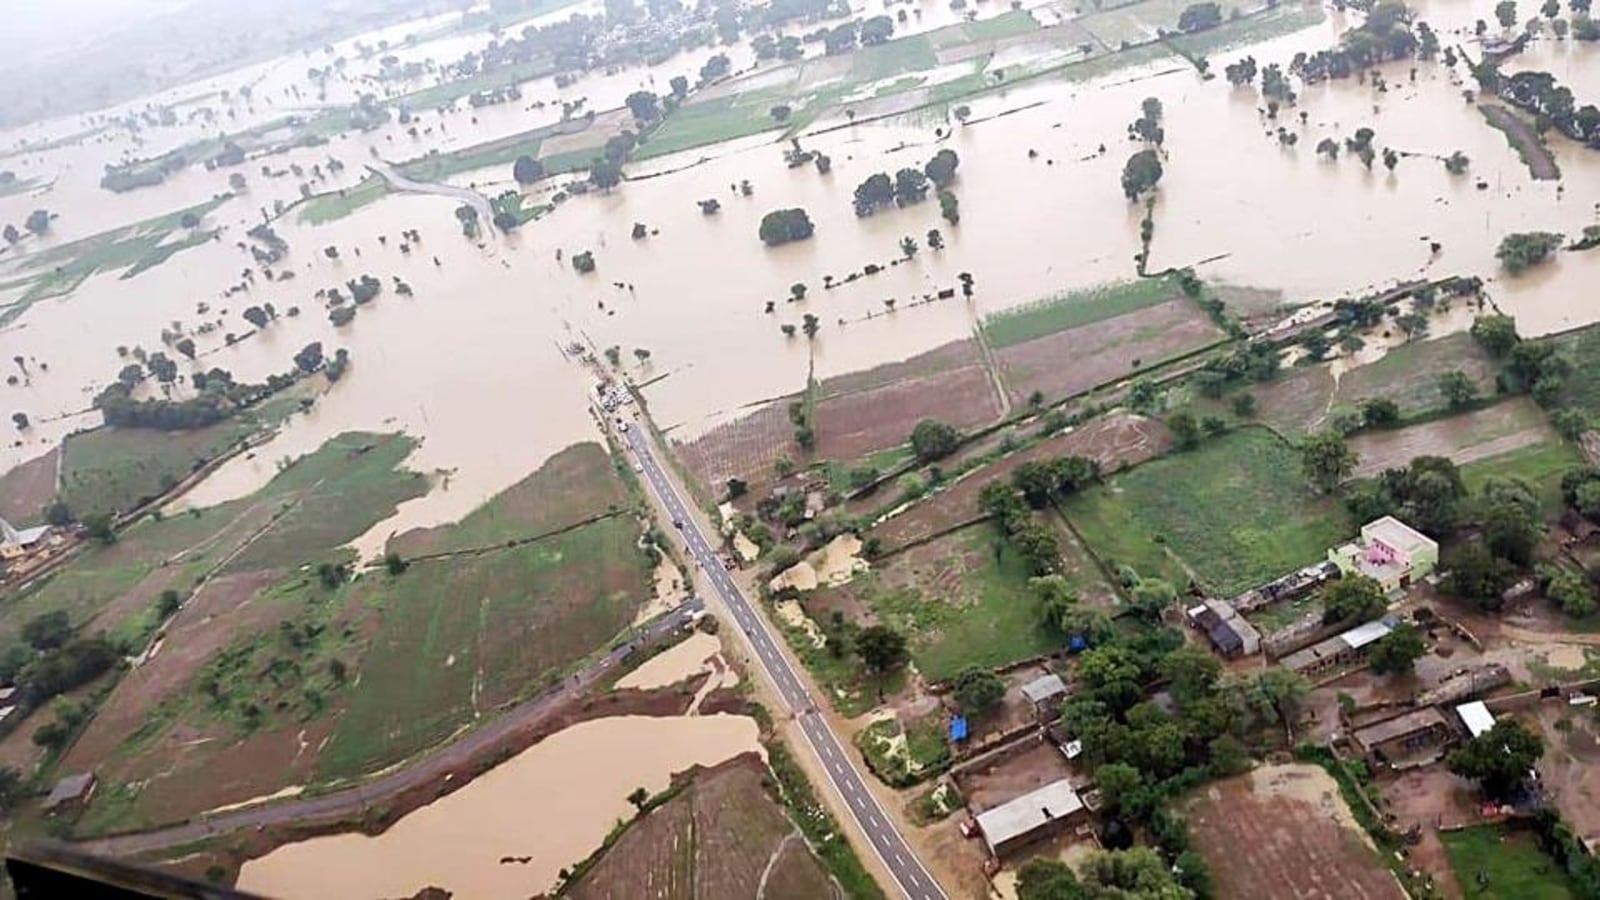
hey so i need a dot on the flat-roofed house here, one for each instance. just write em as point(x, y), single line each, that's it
point(1389, 552)
point(1339, 650)
point(1413, 739)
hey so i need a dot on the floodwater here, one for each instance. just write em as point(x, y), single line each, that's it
point(682, 661)
point(472, 363)
point(511, 830)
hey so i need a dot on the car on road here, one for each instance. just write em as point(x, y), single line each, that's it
point(678, 524)
point(638, 468)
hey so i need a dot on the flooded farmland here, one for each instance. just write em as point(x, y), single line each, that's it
point(509, 832)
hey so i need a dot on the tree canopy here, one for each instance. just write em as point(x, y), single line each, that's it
point(784, 225)
point(1140, 173)
point(1499, 759)
point(932, 439)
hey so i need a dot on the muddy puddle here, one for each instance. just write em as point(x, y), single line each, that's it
point(672, 666)
point(509, 832)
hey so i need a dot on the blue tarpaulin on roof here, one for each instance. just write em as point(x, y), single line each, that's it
point(958, 728)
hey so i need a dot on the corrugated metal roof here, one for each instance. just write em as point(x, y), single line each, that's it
point(1044, 687)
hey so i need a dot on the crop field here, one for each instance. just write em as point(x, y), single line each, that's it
point(1285, 831)
point(335, 205)
point(745, 447)
point(571, 486)
point(1304, 399)
point(1078, 359)
point(1114, 441)
point(1074, 310)
point(863, 413)
point(1582, 390)
point(1483, 434)
point(1233, 513)
point(26, 489)
point(113, 470)
point(1513, 866)
point(460, 637)
point(723, 835)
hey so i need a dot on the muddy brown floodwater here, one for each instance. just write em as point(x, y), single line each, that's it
point(544, 809)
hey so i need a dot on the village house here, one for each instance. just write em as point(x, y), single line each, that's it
point(1338, 651)
point(1416, 738)
point(1031, 817)
point(1228, 631)
point(1389, 552)
point(16, 543)
point(71, 791)
point(1046, 693)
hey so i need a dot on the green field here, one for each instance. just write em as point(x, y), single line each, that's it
point(1540, 465)
point(1513, 866)
point(461, 637)
point(1582, 389)
point(329, 207)
point(111, 470)
point(1046, 317)
point(1236, 512)
point(134, 248)
point(1008, 24)
point(714, 121)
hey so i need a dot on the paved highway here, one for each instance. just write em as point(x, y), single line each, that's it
point(886, 840)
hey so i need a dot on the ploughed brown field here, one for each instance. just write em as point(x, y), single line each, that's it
point(724, 835)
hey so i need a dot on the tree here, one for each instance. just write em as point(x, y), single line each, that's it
point(978, 690)
point(910, 186)
point(935, 239)
point(1327, 459)
point(1477, 575)
point(932, 440)
point(1138, 872)
point(1043, 878)
point(20, 419)
point(1572, 591)
point(1397, 652)
point(737, 488)
point(1244, 405)
point(1505, 12)
point(639, 797)
point(47, 631)
point(1185, 430)
point(1120, 785)
point(1193, 672)
point(605, 174)
point(168, 603)
point(1497, 335)
point(527, 170)
point(1380, 412)
point(876, 31)
point(877, 190)
point(186, 347)
point(583, 262)
point(1509, 515)
point(189, 220)
point(1277, 691)
point(1140, 173)
point(1352, 599)
point(309, 359)
point(950, 207)
point(780, 113)
point(644, 105)
point(680, 87)
point(38, 221)
point(881, 648)
point(1199, 17)
point(1499, 759)
point(256, 316)
point(941, 170)
point(784, 225)
point(395, 564)
point(1457, 388)
point(1524, 250)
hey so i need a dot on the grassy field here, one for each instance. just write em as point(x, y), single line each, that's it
point(1582, 389)
point(133, 248)
point(1540, 465)
point(461, 637)
point(1514, 866)
point(1046, 317)
point(714, 121)
point(324, 208)
point(111, 470)
point(1235, 512)
point(1007, 24)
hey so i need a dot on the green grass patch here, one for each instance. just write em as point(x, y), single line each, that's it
point(521, 617)
point(1514, 866)
point(1079, 308)
point(1540, 465)
point(898, 57)
point(1008, 24)
point(330, 207)
point(903, 757)
point(1581, 390)
point(976, 610)
point(1254, 28)
point(134, 248)
point(1237, 511)
point(712, 122)
point(512, 202)
point(166, 250)
point(18, 186)
point(441, 166)
point(445, 94)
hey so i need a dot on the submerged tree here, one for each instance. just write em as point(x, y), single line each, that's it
point(1141, 173)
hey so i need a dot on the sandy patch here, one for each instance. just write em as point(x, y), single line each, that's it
point(795, 617)
point(1566, 656)
point(1310, 785)
point(677, 664)
point(833, 565)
